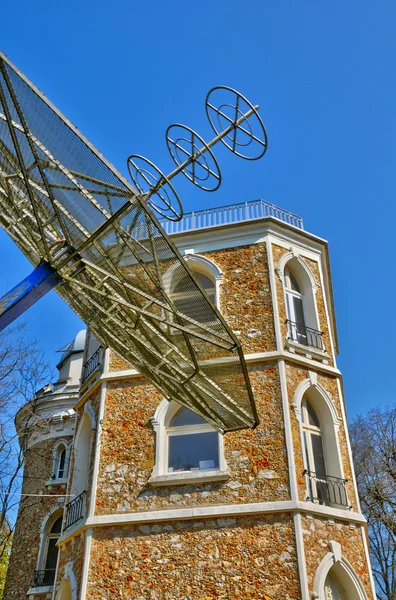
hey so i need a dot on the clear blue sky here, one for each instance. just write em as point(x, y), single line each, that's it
point(324, 76)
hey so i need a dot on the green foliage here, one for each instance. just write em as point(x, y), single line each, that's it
point(5, 546)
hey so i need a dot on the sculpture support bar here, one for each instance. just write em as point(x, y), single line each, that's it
point(15, 302)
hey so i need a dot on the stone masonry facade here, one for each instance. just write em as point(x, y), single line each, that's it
point(253, 534)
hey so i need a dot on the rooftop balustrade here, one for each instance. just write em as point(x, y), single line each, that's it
point(232, 213)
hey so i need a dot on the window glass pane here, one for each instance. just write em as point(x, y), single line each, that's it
point(62, 459)
point(298, 310)
point(57, 526)
point(291, 281)
point(312, 416)
point(204, 280)
point(186, 417)
point(317, 450)
point(52, 554)
point(196, 451)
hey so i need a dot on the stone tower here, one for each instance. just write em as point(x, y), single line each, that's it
point(162, 506)
point(45, 427)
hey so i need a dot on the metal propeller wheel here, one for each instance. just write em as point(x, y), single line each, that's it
point(148, 179)
point(233, 116)
point(191, 152)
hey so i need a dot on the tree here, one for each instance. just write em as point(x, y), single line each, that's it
point(373, 438)
point(22, 371)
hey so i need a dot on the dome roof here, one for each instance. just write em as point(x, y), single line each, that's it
point(76, 345)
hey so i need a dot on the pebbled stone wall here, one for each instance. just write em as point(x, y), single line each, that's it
point(318, 532)
point(197, 560)
point(256, 459)
point(32, 510)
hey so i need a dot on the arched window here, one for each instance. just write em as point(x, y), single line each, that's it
point(324, 484)
point(187, 448)
point(333, 589)
point(61, 462)
point(193, 445)
point(302, 318)
point(187, 300)
point(45, 575)
point(295, 306)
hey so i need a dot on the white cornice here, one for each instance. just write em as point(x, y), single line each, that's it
point(221, 511)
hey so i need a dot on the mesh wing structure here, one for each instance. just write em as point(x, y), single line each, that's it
point(62, 202)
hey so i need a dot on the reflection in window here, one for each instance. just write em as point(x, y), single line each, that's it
point(193, 445)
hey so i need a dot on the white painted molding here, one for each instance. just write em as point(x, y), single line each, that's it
point(88, 409)
point(344, 572)
point(302, 567)
point(288, 506)
point(304, 387)
point(98, 441)
point(86, 561)
point(159, 475)
point(295, 254)
point(68, 580)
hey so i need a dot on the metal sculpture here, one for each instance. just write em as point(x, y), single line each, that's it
point(63, 203)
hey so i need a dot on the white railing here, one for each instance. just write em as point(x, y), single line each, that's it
point(233, 213)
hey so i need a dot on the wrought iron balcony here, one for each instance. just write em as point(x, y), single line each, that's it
point(93, 363)
point(75, 510)
point(327, 490)
point(232, 213)
point(305, 335)
point(44, 577)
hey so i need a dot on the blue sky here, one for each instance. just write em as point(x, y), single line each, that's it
point(323, 74)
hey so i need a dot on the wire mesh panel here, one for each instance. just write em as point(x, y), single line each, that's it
point(63, 202)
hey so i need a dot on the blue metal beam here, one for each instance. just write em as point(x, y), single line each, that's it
point(26, 293)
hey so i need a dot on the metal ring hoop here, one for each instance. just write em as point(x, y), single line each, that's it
point(234, 123)
point(155, 184)
point(187, 148)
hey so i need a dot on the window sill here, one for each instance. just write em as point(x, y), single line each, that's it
point(189, 477)
point(308, 351)
point(52, 482)
point(42, 589)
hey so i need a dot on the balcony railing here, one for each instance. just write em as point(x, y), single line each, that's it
point(44, 578)
point(327, 490)
point(75, 510)
point(233, 213)
point(93, 363)
point(305, 335)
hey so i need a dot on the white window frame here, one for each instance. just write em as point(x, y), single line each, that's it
point(60, 445)
point(160, 475)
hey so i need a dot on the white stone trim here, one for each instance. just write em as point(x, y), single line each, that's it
point(368, 559)
point(160, 475)
point(98, 442)
point(302, 567)
point(348, 576)
point(59, 507)
point(254, 357)
point(288, 433)
point(69, 575)
point(307, 508)
point(274, 296)
point(295, 253)
point(220, 511)
point(86, 561)
point(89, 410)
point(187, 477)
point(304, 387)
